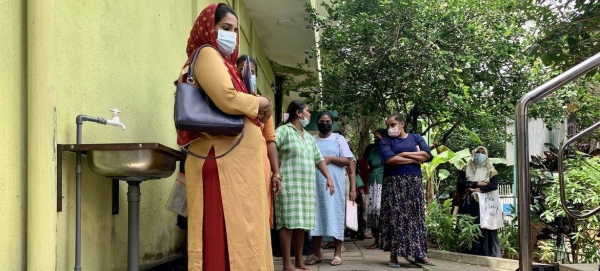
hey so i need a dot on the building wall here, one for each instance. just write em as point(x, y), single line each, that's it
point(13, 128)
point(538, 134)
point(110, 54)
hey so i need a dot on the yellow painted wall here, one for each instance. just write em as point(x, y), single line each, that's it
point(13, 128)
point(110, 54)
point(125, 55)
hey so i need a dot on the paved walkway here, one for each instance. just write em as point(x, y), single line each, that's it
point(358, 258)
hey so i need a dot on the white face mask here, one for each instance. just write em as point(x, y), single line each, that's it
point(253, 83)
point(304, 121)
point(227, 41)
point(394, 132)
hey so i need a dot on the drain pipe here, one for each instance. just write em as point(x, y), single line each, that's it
point(41, 135)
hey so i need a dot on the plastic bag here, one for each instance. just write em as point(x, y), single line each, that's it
point(178, 201)
point(351, 215)
point(490, 210)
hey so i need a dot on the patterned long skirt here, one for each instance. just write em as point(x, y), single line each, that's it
point(402, 217)
point(374, 206)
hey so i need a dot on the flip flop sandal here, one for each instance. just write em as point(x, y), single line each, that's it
point(336, 261)
point(313, 259)
point(394, 264)
point(373, 246)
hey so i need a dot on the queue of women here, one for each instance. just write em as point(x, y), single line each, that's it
point(229, 199)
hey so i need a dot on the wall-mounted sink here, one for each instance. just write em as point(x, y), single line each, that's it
point(123, 161)
point(129, 162)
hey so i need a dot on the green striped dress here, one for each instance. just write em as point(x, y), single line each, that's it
point(295, 205)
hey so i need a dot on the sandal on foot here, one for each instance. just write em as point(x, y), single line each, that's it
point(336, 261)
point(425, 261)
point(394, 264)
point(312, 259)
point(373, 246)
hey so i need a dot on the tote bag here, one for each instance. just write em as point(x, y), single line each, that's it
point(490, 210)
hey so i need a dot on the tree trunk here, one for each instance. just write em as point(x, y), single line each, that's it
point(364, 135)
point(429, 191)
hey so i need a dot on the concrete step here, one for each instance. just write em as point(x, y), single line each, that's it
point(442, 265)
point(579, 267)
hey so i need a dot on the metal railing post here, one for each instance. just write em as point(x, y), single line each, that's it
point(523, 178)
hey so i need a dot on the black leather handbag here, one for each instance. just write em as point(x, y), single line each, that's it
point(196, 112)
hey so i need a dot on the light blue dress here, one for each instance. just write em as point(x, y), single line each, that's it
point(331, 209)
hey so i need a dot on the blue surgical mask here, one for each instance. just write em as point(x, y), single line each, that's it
point(304, 121)
point(227, 41)
point(479, 158)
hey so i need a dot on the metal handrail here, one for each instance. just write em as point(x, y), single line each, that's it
point(561, 174)
point(523, 178)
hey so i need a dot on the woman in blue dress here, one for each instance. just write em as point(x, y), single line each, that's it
point(331, 208)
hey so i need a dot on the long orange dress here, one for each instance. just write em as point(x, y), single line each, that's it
point(268, 131)
point(226, 198)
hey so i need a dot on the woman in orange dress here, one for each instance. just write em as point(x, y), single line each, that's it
point(273, 177)
point(227, 214)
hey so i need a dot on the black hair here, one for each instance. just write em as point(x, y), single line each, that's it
point(295, 106)
point(325, 113)
point(381, 131)
point(368, 151)
point(397, 116)
point(243, 58)
point(222, 10)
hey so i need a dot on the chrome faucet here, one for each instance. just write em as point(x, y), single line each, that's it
point(115, 119)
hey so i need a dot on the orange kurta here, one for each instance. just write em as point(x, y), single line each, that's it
point(268, 131)
point(241, 176)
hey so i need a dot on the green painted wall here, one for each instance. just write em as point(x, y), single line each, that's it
point(13, 127)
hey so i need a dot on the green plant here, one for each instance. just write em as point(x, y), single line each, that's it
point(582, 185)
point(450, 232)
point(508, 236)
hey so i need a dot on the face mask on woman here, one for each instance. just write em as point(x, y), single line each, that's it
point(324, 128)
point(394, 132)
point(304, 121)
point(227, 41)
point(253, 82)
point(479, 158)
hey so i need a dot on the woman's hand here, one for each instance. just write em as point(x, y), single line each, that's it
point(276, 184)
point(265, 110)
point(480, 183)
point(329, 186)
point(475, 190)
point(352, 195)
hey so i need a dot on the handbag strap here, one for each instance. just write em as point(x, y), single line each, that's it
point(185, 149)
point(190, 74)
point(190, 80)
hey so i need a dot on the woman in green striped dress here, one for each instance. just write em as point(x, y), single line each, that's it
point(295, 205)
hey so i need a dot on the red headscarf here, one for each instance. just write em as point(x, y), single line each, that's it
point(203, 33)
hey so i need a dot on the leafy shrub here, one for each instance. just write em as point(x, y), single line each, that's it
point(450, 232)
